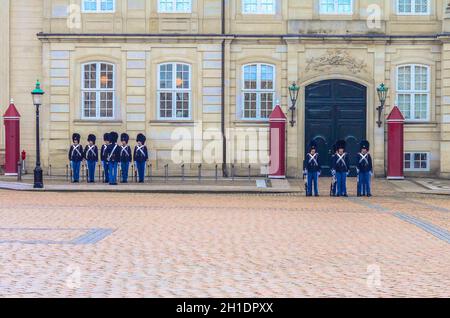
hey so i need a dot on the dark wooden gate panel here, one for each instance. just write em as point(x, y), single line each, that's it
point(335, 109)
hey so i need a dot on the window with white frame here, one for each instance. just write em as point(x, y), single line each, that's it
point(175, 6)
point(413, 7)
point(336, 6)
point(99, 5)
point(417, 161)
point(258, 91)
point(98, 90)
point(258, 6)
point(413, 91)
point(174, 91)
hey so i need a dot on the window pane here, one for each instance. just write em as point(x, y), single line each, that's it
point(404, 104)
point(182, 106)
point(250, 6)
point(250, 105)
point(266, 104)
point(404, 6)
point(183, 5)
point(106, 104)
point(165, 76)
point(90, 76)
point(327, 6)
point(107, 5)
point(421, 78)
point(421, 6)
point(165, 105)
point(250, 77)
point(404, 78)
point(344, 6)
point(420, 106)
point(266, 77)
point(89, 104)
point(182, 76)
point(106, 76)
point(90, 5)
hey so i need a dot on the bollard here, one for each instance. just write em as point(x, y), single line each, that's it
point(67, 172)
point(83, 168)
point(99, 171)
point(200, 172)
point(232, 172)
point(49, 170)
point(166, 172)
point(19, 171)
point(182, 172)
point(87, 174)
point(217, 172)
point(249, 172)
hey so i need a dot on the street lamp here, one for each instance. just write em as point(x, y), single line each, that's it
point(294, 89)
point(37, 95)
point(382, 91)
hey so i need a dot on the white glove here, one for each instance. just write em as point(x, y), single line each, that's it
point(333, 172)
point(305, 171)
point(318, 173)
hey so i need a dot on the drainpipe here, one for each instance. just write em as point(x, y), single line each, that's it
point(224, 138)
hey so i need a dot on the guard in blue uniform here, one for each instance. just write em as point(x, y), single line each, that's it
point(76, 157)
point(364, 169)
point(312, 168)
point(140, 156)
point(91, 156)
point(125, 156)
point(113, 157)
point(333, 187)
point(104, 157)
point(340, 168)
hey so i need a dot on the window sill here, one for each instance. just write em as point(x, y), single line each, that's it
point(104, 122)
point(244, 122)
point(172, 122)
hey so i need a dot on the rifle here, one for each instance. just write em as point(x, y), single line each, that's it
point(306, 183)
point(333, 183)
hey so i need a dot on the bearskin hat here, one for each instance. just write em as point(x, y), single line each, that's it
point(92, 138)
point(141, 138)
point(113, 137)
point(124, 137)
point(76, 137)
point(312, 145)
point(364, 144)
point(340, 144)
point(106, 137)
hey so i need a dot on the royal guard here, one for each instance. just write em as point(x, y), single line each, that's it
point(104, 157)
point(364, 169)
point(91, 156)
point(333, 187)
point(113, 157)
point(340, 168)
point(140, 156)
point(76, 157)
point(125, 156)
point(312, 169)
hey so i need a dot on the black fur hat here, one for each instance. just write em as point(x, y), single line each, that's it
point(76, 137)
point(92, 138)
point(113, 137)
point(340, 144)
point(106, 137)
point(141, 138)
point(312, 145)
point(124, 137)
point(364, 144)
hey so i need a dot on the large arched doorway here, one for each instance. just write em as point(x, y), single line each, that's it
point(335, 109)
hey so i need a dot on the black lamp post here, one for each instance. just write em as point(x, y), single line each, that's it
point(382, 91)
point(37, 94)
point(294, 89)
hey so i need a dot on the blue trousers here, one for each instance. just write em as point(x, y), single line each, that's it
point(341, 180)
point(124, 166)
point(91, 165)
point(75, 170)
point(112, 168)
point(364, 183)
point(106, 170)
point(140, 166)
point(313, 178)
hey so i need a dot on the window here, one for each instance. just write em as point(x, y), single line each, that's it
point(413, 7)
point(413, 91)
point(258, 91)
point(417, 161)
point(98, 91)
point(258, 6)
point(175, 6)
point(99, 5)
point(336, 6)
point(174, 91)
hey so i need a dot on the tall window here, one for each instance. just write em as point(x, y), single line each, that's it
point(98, 90)
point(413, 7)
point(258, 6)
point(174, 91)
point(336, 6)
point(258, 91)
point(174, 6)
point(413, 91)
point(98, 5)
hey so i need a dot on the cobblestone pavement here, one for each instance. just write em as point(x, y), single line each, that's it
point(233, 245)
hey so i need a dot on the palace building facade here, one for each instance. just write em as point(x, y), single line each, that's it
point(213, 70)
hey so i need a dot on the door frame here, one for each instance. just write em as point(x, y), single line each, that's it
point(370, 115)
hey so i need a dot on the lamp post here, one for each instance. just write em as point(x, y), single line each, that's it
point(294, 89)
point(382, 91)
point(37, 94)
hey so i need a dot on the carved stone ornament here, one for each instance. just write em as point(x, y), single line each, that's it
point(335, 58)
